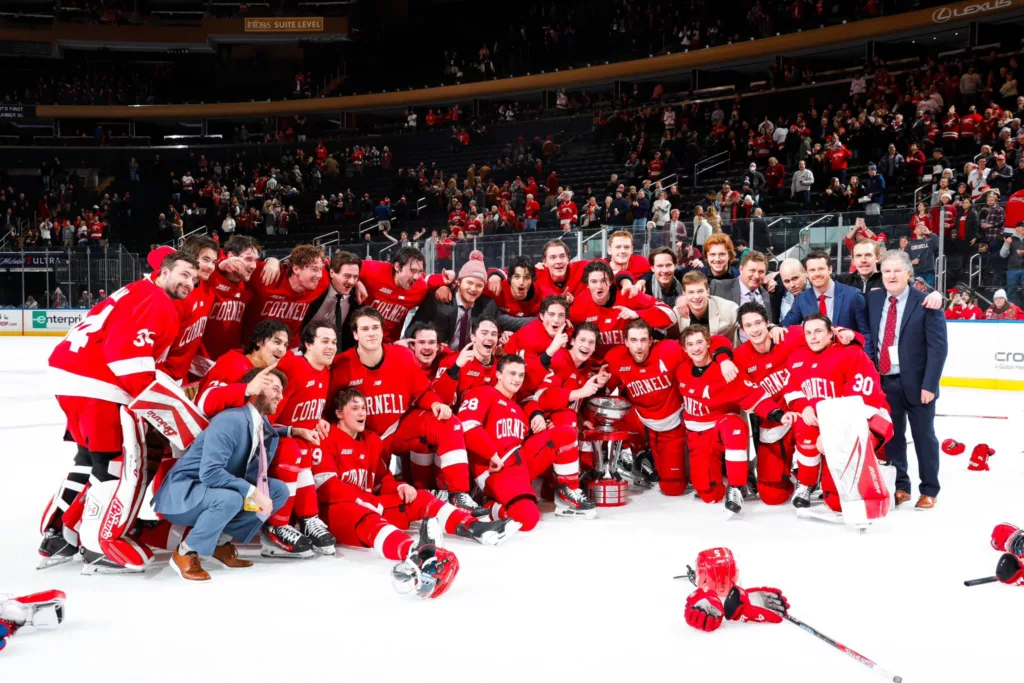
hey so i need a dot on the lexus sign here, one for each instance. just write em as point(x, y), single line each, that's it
point(946, 14)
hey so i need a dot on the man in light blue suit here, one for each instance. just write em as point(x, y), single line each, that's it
point(214, 487)
point(843, 305)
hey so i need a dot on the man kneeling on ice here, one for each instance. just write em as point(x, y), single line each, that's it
point(831, 423)
point(220, 488)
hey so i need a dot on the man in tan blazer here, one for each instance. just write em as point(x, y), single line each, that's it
point(697, 307)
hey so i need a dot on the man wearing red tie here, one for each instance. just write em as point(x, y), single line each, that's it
point(842, 305)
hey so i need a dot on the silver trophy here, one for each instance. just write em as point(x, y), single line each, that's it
point(606, 440)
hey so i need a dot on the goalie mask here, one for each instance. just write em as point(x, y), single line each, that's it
point(716, 571)
point(429, 572)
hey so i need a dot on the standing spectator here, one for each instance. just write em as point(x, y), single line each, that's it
point(85, 299)
point(532, 213)
point(675, 230)
point(46, 232)
point(1001, 177)
point(922, 250)
point(382, 214)
point(1013, 249)
point(803, 181)
point(641, 210)
point(662, 210)
point(703, 229)
point(874, 191)
point(58, 300)
point(910, 350)
point(774, 178)
point(227, 227)
point(891, 166)
point(915, 163)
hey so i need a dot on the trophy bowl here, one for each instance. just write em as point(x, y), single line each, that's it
point(608, 410)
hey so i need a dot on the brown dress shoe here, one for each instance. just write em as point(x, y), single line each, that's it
point(925, 503)
point(901, 497)
point(188, 567)
point(228, 556)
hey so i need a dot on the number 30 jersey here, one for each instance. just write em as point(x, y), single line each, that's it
point(112, 354)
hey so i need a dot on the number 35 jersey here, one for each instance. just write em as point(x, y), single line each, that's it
point(112, 354)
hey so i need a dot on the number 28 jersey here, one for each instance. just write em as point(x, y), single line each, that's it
point(112, 354)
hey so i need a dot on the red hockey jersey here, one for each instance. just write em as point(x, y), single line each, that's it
point(562, 379)
point(650, 386)
point(345, 469)
point(306, 393)
point(221, 388)
point(391, 301)
point(707, 397)
point(223, 330)
point(112, 354)
point(193, 312)
point(391, 388)
point(473, 374)
point(493, 425)
point(279, 302)
point(835, 372)
point(653, 311)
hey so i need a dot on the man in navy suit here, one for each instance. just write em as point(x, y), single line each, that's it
point(843, 305)
point(910, 350)
point(216, 480)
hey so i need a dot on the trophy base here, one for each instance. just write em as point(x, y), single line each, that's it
point(608, 493)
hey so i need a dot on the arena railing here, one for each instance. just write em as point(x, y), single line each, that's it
point(847, 34)
point(40, 272)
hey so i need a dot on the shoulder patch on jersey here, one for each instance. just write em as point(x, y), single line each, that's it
point(591, 319)
point(356, 382)
point(752, 368)
point(346, 451)
point(798, 365)
point(385, 290)
point(625, 368)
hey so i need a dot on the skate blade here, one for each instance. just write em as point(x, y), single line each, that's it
point(281, 555)
point(48, 562)
point(820, 515)
point(91, 569)
point(729, 514)
point(329, 551)
point(575, 514)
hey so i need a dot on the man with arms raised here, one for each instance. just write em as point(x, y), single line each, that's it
point(611, 310)
point(404, 411)
point(287, 298)
point(103, 363)
point(393, 289)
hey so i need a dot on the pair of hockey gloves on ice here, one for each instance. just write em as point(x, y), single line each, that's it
point(705, 610)
point(42, 610)
point(1009, 540)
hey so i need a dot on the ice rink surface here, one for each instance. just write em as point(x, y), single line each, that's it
point(572, 600)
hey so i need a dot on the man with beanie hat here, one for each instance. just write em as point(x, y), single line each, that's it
point(453, 318)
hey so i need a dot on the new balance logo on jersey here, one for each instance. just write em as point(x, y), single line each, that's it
point(378, 382)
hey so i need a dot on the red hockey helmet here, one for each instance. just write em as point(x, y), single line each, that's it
point(953, 447)
point(716, 571)
point(979, 458)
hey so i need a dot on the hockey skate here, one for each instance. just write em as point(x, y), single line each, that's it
point(733, 500)
point(637, 470)
point(488, 533)
point(428, 570)
point(461, 500)
point(802, 497)
point(285, 541)
point(55, 550)
point(98, 563)
point(570, 502)
point(316, 531)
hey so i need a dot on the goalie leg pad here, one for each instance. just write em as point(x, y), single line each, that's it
point(112, 502)
point(71, 488)
point(164, 405)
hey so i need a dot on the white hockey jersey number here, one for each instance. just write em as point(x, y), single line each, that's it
point(78, 336)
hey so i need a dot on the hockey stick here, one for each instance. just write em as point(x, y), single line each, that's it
point(979, 417)
point(981, 581)
point(692, 576)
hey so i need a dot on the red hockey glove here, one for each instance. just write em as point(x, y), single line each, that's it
point(766, 605)
point(1009, 570)
point(1006, 538)
point(704, 610)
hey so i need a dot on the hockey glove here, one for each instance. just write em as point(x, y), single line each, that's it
point(766, 605)
point(704, 610)
point(42, 610)
point(1006, 538)
point(1009, 570)
point(4, 632)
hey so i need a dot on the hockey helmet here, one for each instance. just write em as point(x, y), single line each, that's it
point(716, 571)
point(979, 458)
point(953, 447)
point(430, 572)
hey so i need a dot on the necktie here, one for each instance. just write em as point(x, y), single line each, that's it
point(262, 485)
point(340, 306)
point(462, 328)
point(888, 338)
point(822, 307)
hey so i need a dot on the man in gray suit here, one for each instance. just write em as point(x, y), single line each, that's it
point(748, 286)
point(215, 486)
